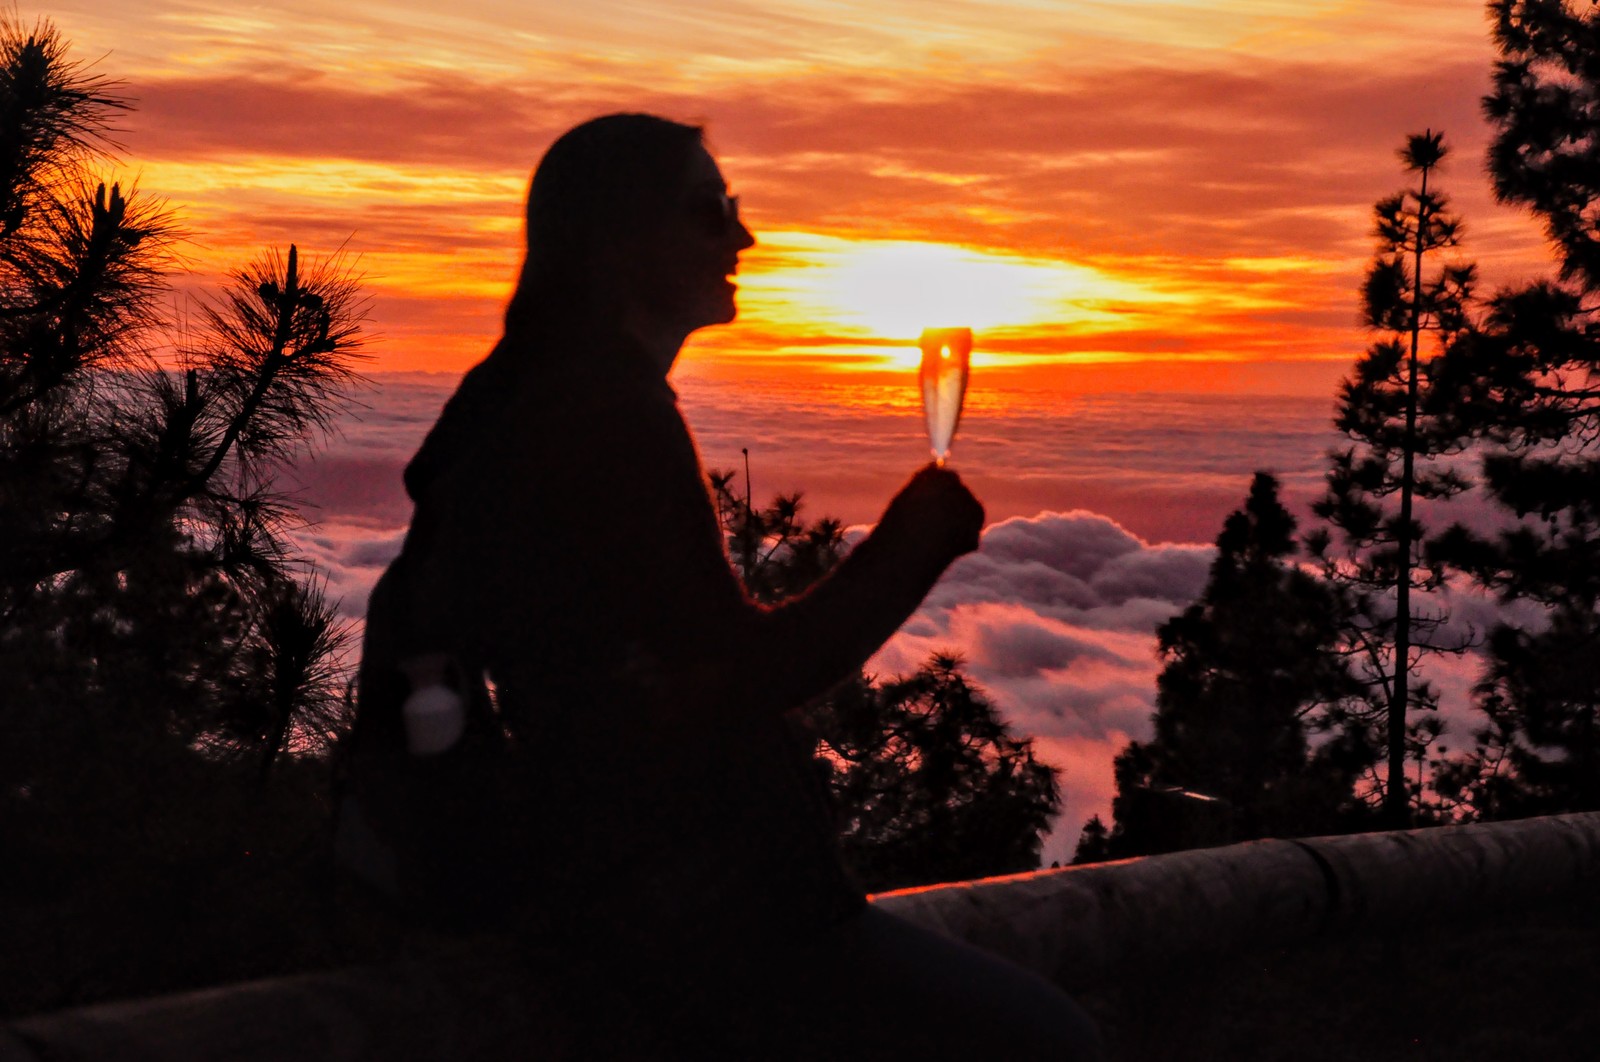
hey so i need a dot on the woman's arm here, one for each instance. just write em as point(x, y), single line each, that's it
point(595, 539)
point(778, 657)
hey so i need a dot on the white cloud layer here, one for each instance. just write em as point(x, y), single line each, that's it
point(1055, 616)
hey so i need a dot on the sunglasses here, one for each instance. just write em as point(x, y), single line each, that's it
point(716, 211)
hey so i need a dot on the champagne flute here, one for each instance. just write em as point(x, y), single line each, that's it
point(946, 360)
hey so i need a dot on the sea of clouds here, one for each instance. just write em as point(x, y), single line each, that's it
point(1101, 513)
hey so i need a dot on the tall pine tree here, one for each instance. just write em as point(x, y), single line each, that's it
point(1400, 424)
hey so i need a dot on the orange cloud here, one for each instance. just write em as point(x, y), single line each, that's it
point(1221, 172)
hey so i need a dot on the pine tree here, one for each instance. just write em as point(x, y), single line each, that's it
point(928, 782)
point(1401, 423)
point(1545, 106)
point(1533, 370)
point(1252, 670)
point(776, 552)
point(154, 622)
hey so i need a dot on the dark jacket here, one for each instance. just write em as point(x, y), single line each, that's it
point(565, 547)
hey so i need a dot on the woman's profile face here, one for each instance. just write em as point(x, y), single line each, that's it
point(681, 268)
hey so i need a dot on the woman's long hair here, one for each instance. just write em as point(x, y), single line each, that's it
point(597, 185)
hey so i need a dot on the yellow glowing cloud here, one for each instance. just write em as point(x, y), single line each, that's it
point(318, 181)
point(384, 217)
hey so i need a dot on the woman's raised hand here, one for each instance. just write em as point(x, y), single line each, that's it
point(937, 509)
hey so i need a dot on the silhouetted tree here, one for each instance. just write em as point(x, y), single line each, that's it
point(1545, 105)
point(153, 620)
point(1251, 667)
point(1533, 368)
point(929, 783)
point(1401, 423)
point(776, 552)
point(1094, 842)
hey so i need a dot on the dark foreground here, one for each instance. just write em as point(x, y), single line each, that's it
point(1503, 988)
point(1512, 987)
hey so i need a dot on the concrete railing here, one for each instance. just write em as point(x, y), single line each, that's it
point(1082, 927)
point(1085, 926)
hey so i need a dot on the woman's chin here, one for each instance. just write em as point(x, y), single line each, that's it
point(726, 309)
point(712, 307)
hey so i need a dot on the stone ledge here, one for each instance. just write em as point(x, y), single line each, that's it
point(1081, 926)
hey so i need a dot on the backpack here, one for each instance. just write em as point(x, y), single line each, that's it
point(435, 833)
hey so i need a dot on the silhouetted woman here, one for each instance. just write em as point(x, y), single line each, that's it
point(628, 789)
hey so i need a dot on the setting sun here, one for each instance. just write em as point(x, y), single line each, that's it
point(883, 293)
point(894, 290)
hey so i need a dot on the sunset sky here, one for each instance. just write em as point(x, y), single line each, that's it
point(1154, 213)
point(1081, 181)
